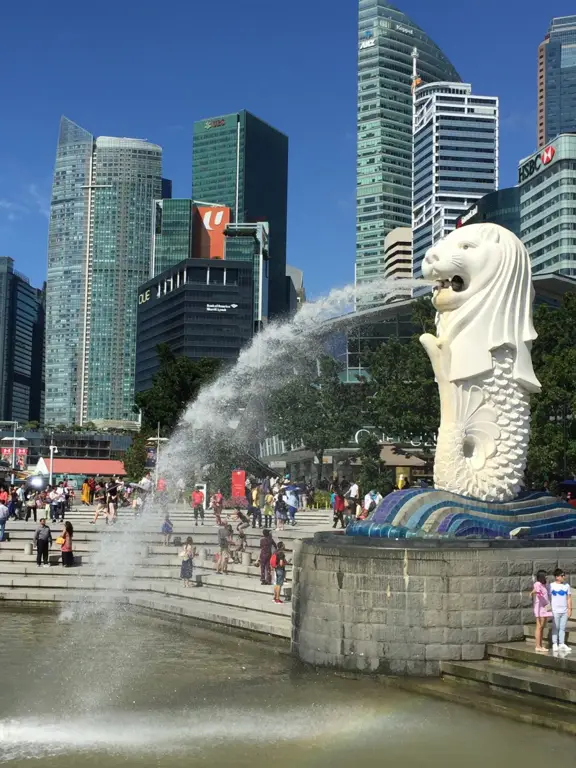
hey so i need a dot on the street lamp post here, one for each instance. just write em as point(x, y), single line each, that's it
point(53, 449)
point(158, 440)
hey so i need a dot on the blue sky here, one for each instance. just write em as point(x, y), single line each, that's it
point(150, 69)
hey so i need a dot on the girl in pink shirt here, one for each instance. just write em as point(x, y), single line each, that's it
point(542, 609)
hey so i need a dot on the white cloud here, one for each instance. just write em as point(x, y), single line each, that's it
point(41, 201)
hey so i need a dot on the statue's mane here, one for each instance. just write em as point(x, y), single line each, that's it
point(499, 314)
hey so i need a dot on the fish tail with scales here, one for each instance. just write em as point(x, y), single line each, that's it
point(481, 452)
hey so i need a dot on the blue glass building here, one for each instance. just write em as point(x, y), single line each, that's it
point(99, 252)
point(240, 161)
point(21, 346)
point(384, 155)
point(557, 80)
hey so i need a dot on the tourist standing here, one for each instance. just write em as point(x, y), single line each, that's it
point(267, 544)
point(167, 529)
point(353, 495)
point(42, 540)
point(339, 509)
point(187, 565)
point(180, 491)
point(100, 500)
point(268, 509)
point(278, 562)
point(13, 503)
point(112, 502)
point(92, 486)
point(561, 604)
point(255, 511)
point(542, 608)
point(217, 504)
point(292, 503)
point(3, 519)
point(198, 504)
point(31, 505)
point(224, 539)
point(85, 495)
point(281, 512)
point(146, 484)
point(66, 545)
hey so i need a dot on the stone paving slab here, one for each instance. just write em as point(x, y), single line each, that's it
point(529, 680)
point(525, 708)
point(522, 653)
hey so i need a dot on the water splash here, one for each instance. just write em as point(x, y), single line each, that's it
point(165, 733)
point(227, 409)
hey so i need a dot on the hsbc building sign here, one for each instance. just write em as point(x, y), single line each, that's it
point(535, 164)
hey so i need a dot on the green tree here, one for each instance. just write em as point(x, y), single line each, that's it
point(316, 410)
point(401, 395)
point(374, 475)
point(552, 451)
point(135, 458)
point(175, 384)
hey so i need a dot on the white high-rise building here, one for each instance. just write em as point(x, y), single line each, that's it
point(455, 159)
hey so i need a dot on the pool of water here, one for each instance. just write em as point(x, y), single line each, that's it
point(122, 689)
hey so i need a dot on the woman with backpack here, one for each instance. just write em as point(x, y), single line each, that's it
point(278, 563)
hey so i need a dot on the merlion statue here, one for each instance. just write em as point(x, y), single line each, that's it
point(481, 360)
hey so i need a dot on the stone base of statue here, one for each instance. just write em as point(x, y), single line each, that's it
point(431, 513)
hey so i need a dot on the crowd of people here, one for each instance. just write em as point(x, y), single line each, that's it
point(348, 504)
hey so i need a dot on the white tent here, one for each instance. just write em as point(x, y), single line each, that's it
point(41, 468)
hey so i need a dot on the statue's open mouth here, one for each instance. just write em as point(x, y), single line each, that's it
point(456, 283)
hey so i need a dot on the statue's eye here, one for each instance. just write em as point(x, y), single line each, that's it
point(464, 246)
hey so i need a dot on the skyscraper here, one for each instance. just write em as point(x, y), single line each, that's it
point(21, 346)
point(398, 260)
point(384, 155)
point(455, 159)
point(99, 252)
point(557, 80)
point(547, 185)
point(242, 162)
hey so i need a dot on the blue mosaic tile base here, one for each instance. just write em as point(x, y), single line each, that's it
point(431, 513)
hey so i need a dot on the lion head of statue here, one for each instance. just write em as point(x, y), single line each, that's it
point(483, 296)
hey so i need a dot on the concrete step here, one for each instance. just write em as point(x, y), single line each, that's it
point(530, 632)
point(238, 618)
point(74, 580)
point(523, 654)
point(523, 708)
point(254, 621)
point(528, 679)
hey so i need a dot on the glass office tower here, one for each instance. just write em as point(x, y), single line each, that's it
point(500, 207)
point(455, 159)
point(173, 220)
point(557, 80)
point(547, 183)
point(99, 252)
point(384, 154)
point(242, 162)
point(21, 346)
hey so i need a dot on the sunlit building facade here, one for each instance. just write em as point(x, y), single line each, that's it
point(240, 161)
point(557, 80)
point(99, 252)
point(384, 155)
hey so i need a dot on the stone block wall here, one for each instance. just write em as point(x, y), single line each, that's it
point(402, 611)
